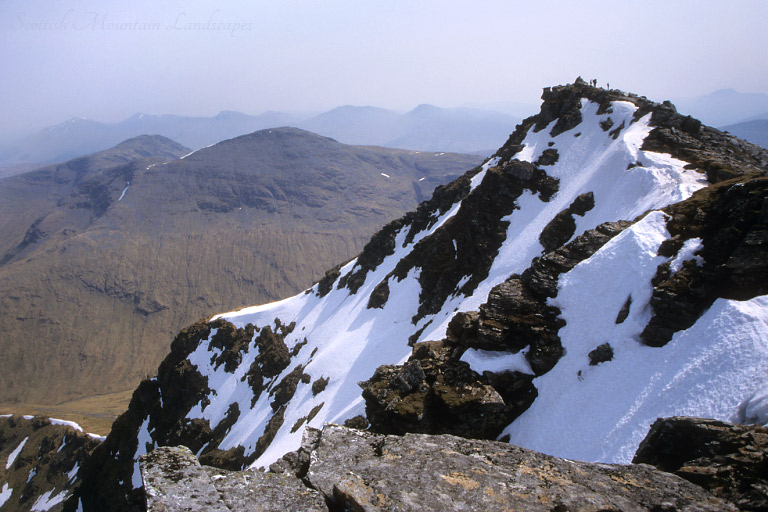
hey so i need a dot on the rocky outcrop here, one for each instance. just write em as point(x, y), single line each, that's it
point(730, 461)
point(345, 469)
point(436, 393)
point(719, 154)
point(174, 480)
point(730, 220)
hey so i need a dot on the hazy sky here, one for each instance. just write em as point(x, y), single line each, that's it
point(107, 60)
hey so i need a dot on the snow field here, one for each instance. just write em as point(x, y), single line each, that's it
point(600, 413)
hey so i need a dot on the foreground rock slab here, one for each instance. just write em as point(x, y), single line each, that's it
point(362, 471)
point(339, 468)
point(174, 480)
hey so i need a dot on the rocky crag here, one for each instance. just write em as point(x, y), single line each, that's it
point(603, 267)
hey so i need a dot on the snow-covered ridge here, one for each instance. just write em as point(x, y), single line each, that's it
point(350, 340)
point(335, 335)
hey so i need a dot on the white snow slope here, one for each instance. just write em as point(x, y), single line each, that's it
point(598, 416)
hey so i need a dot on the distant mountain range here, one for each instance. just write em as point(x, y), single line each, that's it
point(426, 128)
point(725, 107)
point(103, 258)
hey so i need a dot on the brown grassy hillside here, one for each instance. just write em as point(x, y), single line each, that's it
point(93, 288)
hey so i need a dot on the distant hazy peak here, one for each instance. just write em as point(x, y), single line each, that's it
point(149, 139)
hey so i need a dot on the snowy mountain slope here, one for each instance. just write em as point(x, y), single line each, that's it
point(532, 240)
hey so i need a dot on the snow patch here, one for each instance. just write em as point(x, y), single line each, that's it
point(5, 494)
point(195, 151)
point(125, 190)
point(15, 453)
point(384, 174)
point(756, 408)
point(55, 421)
point(46, 502)
point(496, 362)
point(686, 253)
point(144, 439)
point(72, 474)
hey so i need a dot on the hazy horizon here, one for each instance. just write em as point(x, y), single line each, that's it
point(107, 61)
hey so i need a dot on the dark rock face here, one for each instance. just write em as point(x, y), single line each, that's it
point(719, 154)
point(325, 285)
point(319, 385)
point(731, 218)
point(515, 318)
point(624, 311)
point(730, 461)
point(548, 157)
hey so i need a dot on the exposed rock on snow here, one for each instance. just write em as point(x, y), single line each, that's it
point(562, 227)
point(436, 393)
